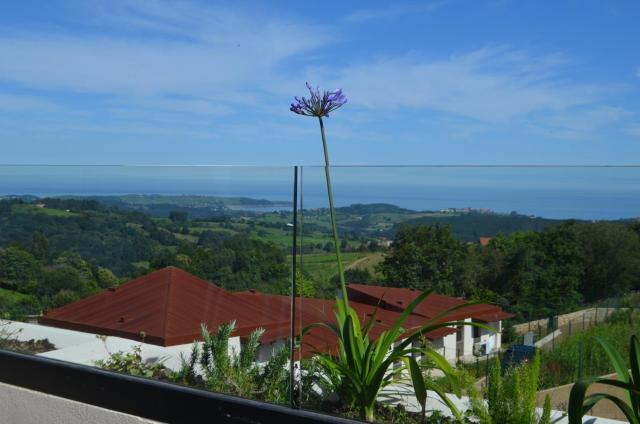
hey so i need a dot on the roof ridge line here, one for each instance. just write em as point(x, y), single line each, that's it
point(166, 304)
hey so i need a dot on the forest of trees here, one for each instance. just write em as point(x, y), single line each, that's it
point(531, 273)
point(75, 247)
point(48, 259)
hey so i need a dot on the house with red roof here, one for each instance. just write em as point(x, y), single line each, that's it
point(167, 308)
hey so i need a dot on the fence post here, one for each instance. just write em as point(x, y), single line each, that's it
point(539, 331)
point(583, 321)
point(596, 315)
point(486, 373)
point(580, 360)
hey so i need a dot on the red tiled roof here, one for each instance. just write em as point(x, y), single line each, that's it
point(167, 305)
point(321, 310)
point(397, 299)
point(484, 241)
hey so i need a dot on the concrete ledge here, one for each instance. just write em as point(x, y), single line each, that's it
point(23, 406)
point(150, 399)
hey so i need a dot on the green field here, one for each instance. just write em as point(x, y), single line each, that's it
point(321, 267)
point(30, 208)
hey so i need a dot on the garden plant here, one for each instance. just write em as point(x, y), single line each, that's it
point(362, 367)
point(628, 379)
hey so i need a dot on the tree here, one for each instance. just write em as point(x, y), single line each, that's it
point(612, 259)
point(538, 273)
point(356, 275)
point(40, 246)
point(305, 287)
point(65, 277)
point(75, 261)
point(424, 257)
point(19, 270)
point(178, 216)
point(106, 278)
point(5, 207)
point(64, 297)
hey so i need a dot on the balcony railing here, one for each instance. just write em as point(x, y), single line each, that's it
point(253, 245)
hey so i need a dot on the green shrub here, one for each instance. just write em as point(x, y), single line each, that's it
point(211, 367)
point(511, 396)
point(132, 363)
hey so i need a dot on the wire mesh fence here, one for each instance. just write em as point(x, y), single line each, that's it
point(567, 344)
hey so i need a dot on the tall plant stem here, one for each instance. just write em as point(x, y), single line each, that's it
point(342, 290)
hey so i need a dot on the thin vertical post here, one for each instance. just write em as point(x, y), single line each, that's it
point(294, 250)
point(580, 360)
point(301, 271)
point(486, 372)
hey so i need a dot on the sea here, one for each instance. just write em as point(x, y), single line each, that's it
point(579, 192)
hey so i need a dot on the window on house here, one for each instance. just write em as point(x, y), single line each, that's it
point(476, 332)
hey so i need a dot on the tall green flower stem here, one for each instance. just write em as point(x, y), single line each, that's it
point(342, 290)
point(364, 365)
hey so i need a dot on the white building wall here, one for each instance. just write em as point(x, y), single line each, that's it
point(467, 339)
point(492, 339)
point(266, 351)
point(449, 346)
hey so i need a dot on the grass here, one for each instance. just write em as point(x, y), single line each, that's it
point(277, 236)
point(16, 304)
point(368, 263)
point(321, 267)
point(582, 356)
point(28, 208)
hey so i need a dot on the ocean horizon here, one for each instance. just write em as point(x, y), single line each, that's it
point(589, 193)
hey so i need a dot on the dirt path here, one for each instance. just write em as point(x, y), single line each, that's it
point(605, 409)
point(367, 262)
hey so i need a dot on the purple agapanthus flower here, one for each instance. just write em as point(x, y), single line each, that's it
point(318, 104)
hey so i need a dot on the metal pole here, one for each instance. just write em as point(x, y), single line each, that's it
point(580, 360)
point(301, 270)
point(294, 249)
point(486, 373)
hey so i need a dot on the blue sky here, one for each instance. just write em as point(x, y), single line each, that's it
point(439, 82)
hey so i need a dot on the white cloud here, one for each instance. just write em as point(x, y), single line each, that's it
point(177, 66)
point(162, 48)
point(583, 123)
point(490, 84)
